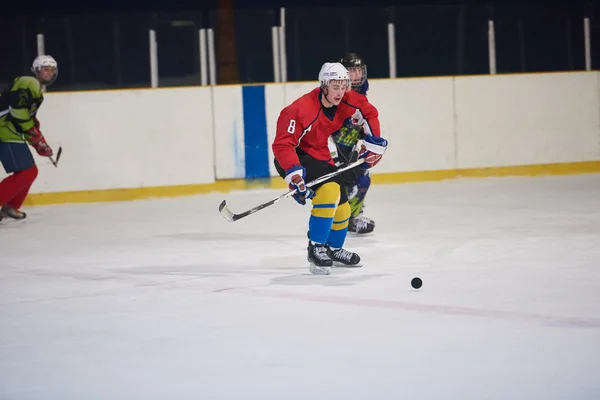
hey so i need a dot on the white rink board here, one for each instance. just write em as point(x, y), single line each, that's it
point(275, 99)
point(127, 139)
point(294, 90)
point(178, 136)
point(417, 118)
point(527, 119)
point(228, 132)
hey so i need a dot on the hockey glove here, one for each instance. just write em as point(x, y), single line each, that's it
point(372, 150)
point(295, 179)
point(37, 140)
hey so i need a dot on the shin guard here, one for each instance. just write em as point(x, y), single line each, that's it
point(323, 211)
point(339, 228)
point(356, 203)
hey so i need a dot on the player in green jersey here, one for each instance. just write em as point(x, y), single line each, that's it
point(19, 128)
point(345, 150)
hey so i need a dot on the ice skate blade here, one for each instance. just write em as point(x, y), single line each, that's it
point(356, 234)
point(318, 270)
point(338, 264)
point(7, 223)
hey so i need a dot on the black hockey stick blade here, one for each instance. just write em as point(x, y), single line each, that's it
point(231, 217)
point(58, 153)
point(225, 212)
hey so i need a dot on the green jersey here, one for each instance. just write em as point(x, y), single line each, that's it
point(349, 134)
point(18, 107)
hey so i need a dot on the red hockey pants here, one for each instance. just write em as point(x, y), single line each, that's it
point(14, 188)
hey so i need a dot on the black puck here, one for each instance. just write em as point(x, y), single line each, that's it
point(416, 283)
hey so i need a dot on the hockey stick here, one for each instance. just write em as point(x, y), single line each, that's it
point(55, 162)
point(231, 217)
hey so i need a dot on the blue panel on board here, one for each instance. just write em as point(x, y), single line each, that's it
point(256, 144)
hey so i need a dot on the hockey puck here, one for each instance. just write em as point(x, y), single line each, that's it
point(416, 283)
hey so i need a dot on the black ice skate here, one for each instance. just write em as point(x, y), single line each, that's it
point(344, 258)
point(319, 261)
point(361, 225)
point(8, 212)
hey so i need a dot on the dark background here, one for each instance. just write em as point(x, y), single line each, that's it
point(106, 45)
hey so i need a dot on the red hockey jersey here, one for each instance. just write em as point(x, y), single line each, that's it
point(305, 125)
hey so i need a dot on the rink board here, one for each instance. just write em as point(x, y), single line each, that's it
point(134, 144)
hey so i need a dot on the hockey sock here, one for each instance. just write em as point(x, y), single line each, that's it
point(339, 228)
point(30, 175)
point(15, 187)
point(321, 216)
point(356, 203)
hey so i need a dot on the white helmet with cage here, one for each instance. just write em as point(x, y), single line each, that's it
point(47, 62)
point(333, 72)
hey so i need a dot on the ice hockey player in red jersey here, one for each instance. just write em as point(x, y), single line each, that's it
point(302, 154)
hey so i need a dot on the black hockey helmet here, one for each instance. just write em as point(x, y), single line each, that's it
point(357, 67)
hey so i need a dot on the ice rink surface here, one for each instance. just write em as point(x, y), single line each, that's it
point(164, 299)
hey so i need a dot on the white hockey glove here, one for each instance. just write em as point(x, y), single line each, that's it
point(295, 180)
point(372, 150)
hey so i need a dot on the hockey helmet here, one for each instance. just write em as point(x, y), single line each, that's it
point(41, 62)
point(333, 72)
point(353, 61)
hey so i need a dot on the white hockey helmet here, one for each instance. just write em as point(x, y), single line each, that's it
point(333, 72)
point(45, 61)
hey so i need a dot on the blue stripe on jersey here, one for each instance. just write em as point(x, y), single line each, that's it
point(255, 132)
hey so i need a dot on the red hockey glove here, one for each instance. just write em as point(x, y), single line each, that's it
point(37, 140)
point(372, 150)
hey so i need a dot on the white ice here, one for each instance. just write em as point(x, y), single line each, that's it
point(164, 299)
